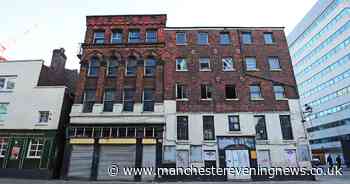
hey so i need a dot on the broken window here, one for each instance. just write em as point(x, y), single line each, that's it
point(206, 91)
point(260, 128)
point(208, 128)
point(182, 128)
point(230, 92)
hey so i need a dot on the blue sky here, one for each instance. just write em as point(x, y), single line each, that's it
point(31, 29)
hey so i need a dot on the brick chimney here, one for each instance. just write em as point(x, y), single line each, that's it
point(58, 61)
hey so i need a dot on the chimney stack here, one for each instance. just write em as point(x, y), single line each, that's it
point(58, 61)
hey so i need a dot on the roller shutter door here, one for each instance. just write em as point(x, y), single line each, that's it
point(121, 155)
point(81, 161)
point(148, 160)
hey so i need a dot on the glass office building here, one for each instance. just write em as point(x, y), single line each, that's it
point(320, 49)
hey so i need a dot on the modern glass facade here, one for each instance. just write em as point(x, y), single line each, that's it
point(320, 49)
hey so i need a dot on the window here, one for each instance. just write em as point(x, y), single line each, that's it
point(268, 38)
point(204, 64)
point(150, 67)
point(134, 36)
point(35, 148)
point(196, 153)
point(99, 37)
point(7, 84)
point(230, 92)
point(169, 154)
point(286, 126)
point(3, 111)
point(206, 91)
point(181, 64)
point(250, 63)
point(3, 146)
point(2, 83)
point(274, 63)
point(181, 91)
point(202, 38)
point(131, 66)
point(108, 100)
point(208, 128)
point(260, 128)
point(117, 36)
point(128, 100)
point(233, 123)
point(93, 67)
point(247, 38)
point(148, 100)
point(279, 92)
point(151, 36)
point(255, 92)
point(182, 128)
point(225, 38)
point(89, 100)
point(227, 64)
point(209, 158)
point(181, 38)
point(112, 68)
point(44, 116)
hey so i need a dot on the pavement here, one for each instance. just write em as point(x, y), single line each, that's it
point(344, 179)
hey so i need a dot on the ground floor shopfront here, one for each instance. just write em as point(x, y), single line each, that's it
point(30, 153)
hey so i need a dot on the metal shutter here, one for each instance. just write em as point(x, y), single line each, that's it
point(149, 160)
point(121, 155)
point(81, 161)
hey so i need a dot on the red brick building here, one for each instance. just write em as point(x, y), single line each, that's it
point(156, 96)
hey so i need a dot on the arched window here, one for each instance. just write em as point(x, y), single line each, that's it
point(112, 67)
point(131, 66)
point(93, 67)
point(150, 66)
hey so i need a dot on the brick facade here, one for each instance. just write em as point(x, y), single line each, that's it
point(166, 51)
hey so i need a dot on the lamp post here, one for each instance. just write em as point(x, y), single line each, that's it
point(307, 111)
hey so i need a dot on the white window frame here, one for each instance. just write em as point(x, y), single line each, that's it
point(284, 92)
point(48, 116)
point(202, 60)
point(90, 64)
point(107, 70)
point(36, 149)
point(255, 98)
point(223, 64)
point(271, 58)
point(246, 65)
point(208, 87)
point(126, 68)
point(6, 80)
point(183, 92)
point(4, 114)
point(113, 33)
point(99, 37)
point(185, 42)
point(145, 65)
point(2, 146)
point(181, 70)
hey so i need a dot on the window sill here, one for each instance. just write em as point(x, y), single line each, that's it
point(281, 99)
point(182, 99)
point(231, 99)
point(205, 70)
point(183, 141)
point(130, 76)
point(149, 76)
point(5, 91)
point(181, 44)
point(234, 132)
point(229, 70)
point(253, 70)
point(256, 99)
point(225, 44)
point(182, 70)
point(206, 99)
point(210, 141)
point(41, 124)
point(275, 70)
point(274, 43)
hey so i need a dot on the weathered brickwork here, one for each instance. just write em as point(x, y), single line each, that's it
point(166, 51)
